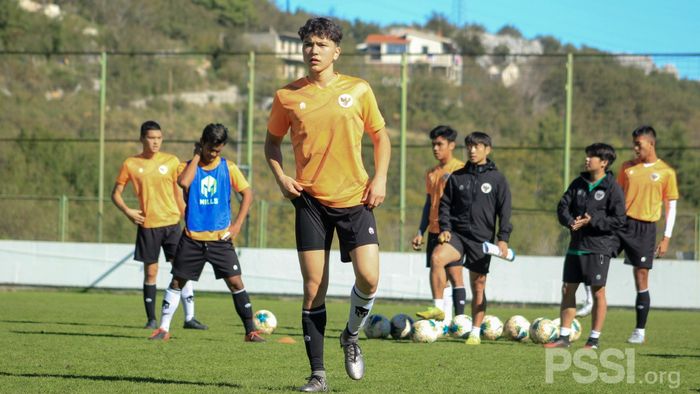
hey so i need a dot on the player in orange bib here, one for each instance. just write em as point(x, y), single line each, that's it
point(444, 297)
point(649, 184)
point(154, 177)
point(327, 114)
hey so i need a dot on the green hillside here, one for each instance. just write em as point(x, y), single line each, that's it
point(163, 52)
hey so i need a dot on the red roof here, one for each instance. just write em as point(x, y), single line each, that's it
point(384, 39)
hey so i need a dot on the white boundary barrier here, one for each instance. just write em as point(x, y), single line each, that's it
point(529, 279)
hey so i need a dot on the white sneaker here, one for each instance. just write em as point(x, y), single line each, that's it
point(636, 338)
point(585, 310)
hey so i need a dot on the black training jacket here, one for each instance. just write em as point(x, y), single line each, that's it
point(474, 196)
point(606, 206)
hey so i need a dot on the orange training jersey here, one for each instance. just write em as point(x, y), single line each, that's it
point(327, 125)
point(646, 188)
point(238, 183)
point(435, 181)
point(154, 180)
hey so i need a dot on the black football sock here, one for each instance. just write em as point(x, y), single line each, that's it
point(313, 322)
point(244, 309)
point(459, 297)
point(642, 306)
point(149, 301)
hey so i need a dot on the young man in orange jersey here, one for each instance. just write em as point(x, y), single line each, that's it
point(328, 113)
point(444, 297)
point(154, 176)
point(210, 228)
point(649, 184)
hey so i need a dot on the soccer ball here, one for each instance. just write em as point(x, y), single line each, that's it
point(543, 331)
point(517, 328)
point(377, 326)
point(491, 327)
point(401, 326)
point(265, 321)
point(575, 330)
point(425, 331)
point(461, 326)
point(443, 328)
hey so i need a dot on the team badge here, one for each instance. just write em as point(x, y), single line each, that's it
point(461, 187)
point(345, 100)
point(599, 195)
point(655, 177)
point(140, 170)
point(208, 186)
point(163, 169)
point(486, 188)
point(371, 231)
point(302, 105)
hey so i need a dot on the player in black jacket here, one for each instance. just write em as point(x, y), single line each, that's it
point(593, 208)
point(474, 197)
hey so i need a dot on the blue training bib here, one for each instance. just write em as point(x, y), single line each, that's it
point(209, 199)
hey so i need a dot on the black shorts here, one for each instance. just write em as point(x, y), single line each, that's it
point(638, 241)
point(432, 243)
point(475, 259)
point(150, 240)
point(315, 222)
point(192, 254)
point(591, 269)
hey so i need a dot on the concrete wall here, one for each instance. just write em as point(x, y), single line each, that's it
point(529, 279)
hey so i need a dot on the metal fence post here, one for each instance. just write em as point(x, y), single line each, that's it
point(402, 164)
point(101, 176)
point(567, 122)
point(262, 224)
point(62, 217)
point(251, 115)
point(697, 237)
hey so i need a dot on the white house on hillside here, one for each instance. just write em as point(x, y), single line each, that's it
point(438, 53)
point(285, 46)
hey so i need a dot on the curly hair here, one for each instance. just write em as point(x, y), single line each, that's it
point(321, 27)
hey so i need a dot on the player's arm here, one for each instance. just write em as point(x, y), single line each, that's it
point(564, 215)
point(504, 211)
point(246, 202)
point(135, 215)
point(418, 239)
point(187, 176)
point(179, 198)
point(273, 154)
point(376, 191)
point(670, 214)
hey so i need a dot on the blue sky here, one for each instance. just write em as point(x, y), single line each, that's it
point(640, 26)
point(618, 26)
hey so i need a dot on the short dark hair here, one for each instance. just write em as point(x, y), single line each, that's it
point(602, 151)
point(445, 132)
point(644, 130)
point(323, 28)
point(214, 134)
point(149, 125)
point(477, 137)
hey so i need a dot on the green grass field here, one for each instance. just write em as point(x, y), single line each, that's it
point(68, 341)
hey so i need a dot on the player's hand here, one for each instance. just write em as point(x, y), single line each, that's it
point(662, 248)
point(417, 242)
point(136, 216)
point(232, 232)
point(290, 187)
point(444, 237)
point(503, 248)
point(374, 193)
point(581, 221)
point(197, 149)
